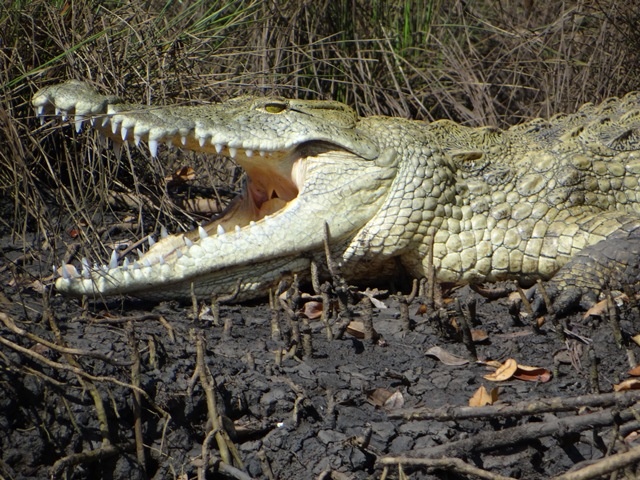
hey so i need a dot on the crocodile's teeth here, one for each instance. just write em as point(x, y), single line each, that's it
point(40, 110)
point(113, 261)
point(201, 141)
point(163, 232)
point(183, 139)
point(79, 120)
point(92, 121)
point(262, 153)
point(220, 230)
point(233, 152)
point(68, 272)
point(136, 266)
point(252, 223)
point(161, 259)
point(153, 148)
point(136, 140)
point(125, 264)
point(114, 127)
point(146, 262)
point(179, 253)
point(237, 228)
point(85, 263)
point(139, 253)
point(249, 153)
point(202, 232)
point(219, 147)
point(151, 241)
point(124, 132)
point(105, 120)
point(188, 242)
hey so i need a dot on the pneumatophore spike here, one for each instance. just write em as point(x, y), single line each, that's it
point(202, 232)
point(163, 232)
point(220, 230)
point(113, 261)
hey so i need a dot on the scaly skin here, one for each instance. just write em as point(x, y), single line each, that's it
point(517, 203)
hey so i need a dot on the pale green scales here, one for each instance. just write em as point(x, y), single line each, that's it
point(517, 203)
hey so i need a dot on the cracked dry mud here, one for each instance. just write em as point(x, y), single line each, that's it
point(308, 417)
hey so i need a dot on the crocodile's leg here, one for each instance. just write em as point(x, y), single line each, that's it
point(610, 264)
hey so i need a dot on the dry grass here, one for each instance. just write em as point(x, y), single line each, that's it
point(483, 62)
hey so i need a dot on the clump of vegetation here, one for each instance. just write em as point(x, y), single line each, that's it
point(477, 63)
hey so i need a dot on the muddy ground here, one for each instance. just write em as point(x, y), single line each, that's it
point(68, 408)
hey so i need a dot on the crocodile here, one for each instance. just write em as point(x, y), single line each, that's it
point(474, 204)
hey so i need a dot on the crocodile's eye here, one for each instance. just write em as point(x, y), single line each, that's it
point(274, 107)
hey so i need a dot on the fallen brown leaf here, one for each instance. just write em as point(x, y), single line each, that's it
point(482, 397)
point(446, 357)
point(630, 384)
point(504, 372)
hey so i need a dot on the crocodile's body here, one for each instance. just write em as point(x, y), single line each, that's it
point(517, 203)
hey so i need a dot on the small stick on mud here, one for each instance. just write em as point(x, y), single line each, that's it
point(325, 290)
point(276, 334)
point(194, 304)
point(367, 319)
point(449, 464)
point(226, 447)
point(559, 328)
point(465, 326)
point(223, 300)
point(543, 405)
point(404, 302)
point(135, 398)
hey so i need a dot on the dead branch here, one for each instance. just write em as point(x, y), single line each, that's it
point(450, 464)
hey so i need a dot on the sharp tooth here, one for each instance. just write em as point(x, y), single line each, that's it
point(220, 230)
point(151, 240)
point(163, 232)
point(233, 152)
point(125, 264)
point(183, 139)
point(139, 253)
point(40, 110)
point(188, 242)
point(136, 266)
point(114, 127)
point(153, 148)
point(266, 217)
point(105, 120)
point(237, 228)
point(249, 153)
point(179, 253)
point(262, 153)
point(79, 120)
point(65, 273)
point(202, 232)
point(219, 147)
point(124, 133)
point(201, 141)
point(85, 263)
point(92, 121)
point(113, 262)
point(58, 111)
point(146, 262)
point(252, 223)
point(136, 140)
point(161, 259)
